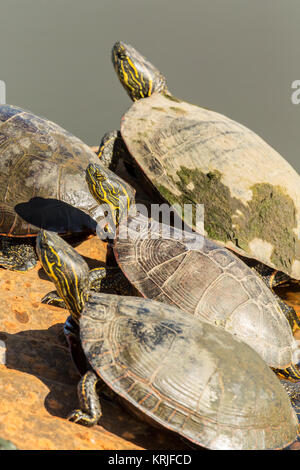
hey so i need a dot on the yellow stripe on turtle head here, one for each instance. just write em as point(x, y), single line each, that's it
point(110, 190)
point(66, 268)
point(138, 76)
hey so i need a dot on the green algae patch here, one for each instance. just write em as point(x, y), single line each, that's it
point(270, 215)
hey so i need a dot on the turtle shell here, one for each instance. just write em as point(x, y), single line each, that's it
point(250, 193)
point(42, 177)
point(206, 280)
point(187, 375)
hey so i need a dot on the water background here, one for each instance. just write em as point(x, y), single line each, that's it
point(237, 57)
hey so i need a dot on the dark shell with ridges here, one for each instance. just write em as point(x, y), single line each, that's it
point(42, 177)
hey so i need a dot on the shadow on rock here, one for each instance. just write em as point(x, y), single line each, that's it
point(45, 355)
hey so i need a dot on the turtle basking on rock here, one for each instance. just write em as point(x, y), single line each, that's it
point(42, 184)
point(191, 155)
point(169, 367)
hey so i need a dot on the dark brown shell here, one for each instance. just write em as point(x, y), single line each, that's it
point(206, 280)
point(189, 376)
point(42, 176)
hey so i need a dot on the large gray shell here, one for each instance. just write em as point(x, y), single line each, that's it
point(250, 193)
point(189, 376)
point(206, 280)
point(42, 177)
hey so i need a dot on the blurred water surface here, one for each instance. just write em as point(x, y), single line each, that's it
point(233, 56)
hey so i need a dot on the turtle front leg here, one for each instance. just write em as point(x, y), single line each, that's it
point(112, 149)
point(289, 313)
point(17, 255)
point(115, 282)
point(90, 408)
point(96, 277)
point(272, 279)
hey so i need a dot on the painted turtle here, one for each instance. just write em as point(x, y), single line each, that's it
point(189, 271)
point(194, 156)
point(184, 374)
point(42, 184)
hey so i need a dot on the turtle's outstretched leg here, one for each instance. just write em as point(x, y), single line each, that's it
point(272, 279)
point(96, 277)
point(90, 408)
point(116, 283)
point(17, 255)
point(289, 313)
point(112, 149)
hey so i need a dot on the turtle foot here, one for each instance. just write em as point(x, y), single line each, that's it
point(16, 255)
point(79, 417)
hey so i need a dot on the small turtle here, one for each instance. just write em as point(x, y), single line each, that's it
point(42, 184)
point(189, 271)
point(185, 375)
point(192, 155)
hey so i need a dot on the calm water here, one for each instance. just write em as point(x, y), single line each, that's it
point(238, 57)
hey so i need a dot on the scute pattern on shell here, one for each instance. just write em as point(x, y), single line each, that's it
point(185, 374)
point(42, 175)
point(205, 280)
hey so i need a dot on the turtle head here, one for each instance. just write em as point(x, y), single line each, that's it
point(138, 76)
point(113, 194)
point(66, 268)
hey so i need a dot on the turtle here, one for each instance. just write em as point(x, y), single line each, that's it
point(193, 273)
point(181, 373)
point(42, 184)
point(186, 154)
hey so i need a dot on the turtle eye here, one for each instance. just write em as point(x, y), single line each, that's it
point(121, 55)
point(99, 176)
